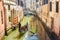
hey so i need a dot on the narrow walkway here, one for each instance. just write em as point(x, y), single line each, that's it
point(14, 35)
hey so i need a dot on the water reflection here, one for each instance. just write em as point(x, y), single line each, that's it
point(30, 36)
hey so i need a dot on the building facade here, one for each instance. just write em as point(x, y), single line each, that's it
point(2, 20)
point(9, 5)
point(14, 14)
point(21, 3)
point(49, 12)
point(55, 14)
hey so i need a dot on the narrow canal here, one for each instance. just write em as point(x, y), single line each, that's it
point(35, 30)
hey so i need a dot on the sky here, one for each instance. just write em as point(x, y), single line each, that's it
point(27, 2)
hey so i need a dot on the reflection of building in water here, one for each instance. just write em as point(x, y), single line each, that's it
point(32, 25)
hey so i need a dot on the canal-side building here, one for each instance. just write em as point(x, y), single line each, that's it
point(2, 20)
point(33, 4)
point(8, 7)
point(14, 13)
point(20, 13)
point(49, 13)
point(21, 3)
point(20, 6)
point(55, 15)
point(43, 12)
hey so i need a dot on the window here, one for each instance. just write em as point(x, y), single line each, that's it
point(45, 2)
point(1, 17)
point(36, 0)
point(9, 19)
point(18, 2)
point(57, 6)
point(8, 7)
point(50, 6)
point(13, 11)
point(21, 3)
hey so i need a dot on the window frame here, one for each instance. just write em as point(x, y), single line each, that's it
point(57, 6)
point(50, 6)
point(1, 17)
